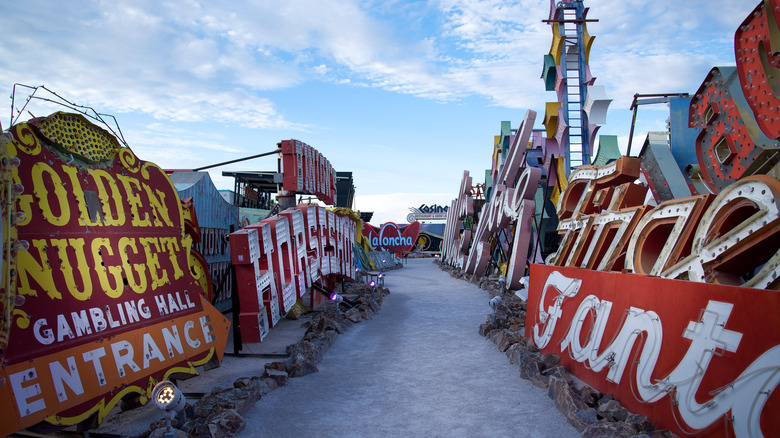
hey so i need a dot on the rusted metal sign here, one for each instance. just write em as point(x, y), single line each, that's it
point(696, 358)
point(102, 294)
point(606, 227)
point(278, 259)
point(307, 171)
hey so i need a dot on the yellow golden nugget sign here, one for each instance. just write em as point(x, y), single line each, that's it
point(101, 293)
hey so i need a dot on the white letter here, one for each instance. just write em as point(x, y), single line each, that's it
point(94, 356)
point(172, 340)
point(144, 309)
point(207, 329)
point(63, 329)
point(24, 393)
point(59, 375)
point(194, 343)
point(81, 323)
point(126, 359)
point(151, 350)
point(45, 336)
point(98, 320)
point(566, 287)
point(160, 300)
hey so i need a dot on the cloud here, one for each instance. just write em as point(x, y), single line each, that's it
point(213, 61)
point(127, 59)
point(394, 207)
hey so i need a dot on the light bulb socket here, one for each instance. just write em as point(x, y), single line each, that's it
point(20, 245)
point(17, 189)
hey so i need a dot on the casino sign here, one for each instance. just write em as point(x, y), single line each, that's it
point(427, 212)
point(102, 294)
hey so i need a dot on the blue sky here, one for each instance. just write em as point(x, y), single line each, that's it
point(405, 94)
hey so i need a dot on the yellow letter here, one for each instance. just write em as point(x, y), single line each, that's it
point(84, 218)
point(116, 271)
point(108, 216)
point(43, 194)
point(173, 248)
point(67, 269)
point(153, 262)
point(134, 200)
point(25, 202)
point(158, 207)
point(140, 285)
point(26, 264)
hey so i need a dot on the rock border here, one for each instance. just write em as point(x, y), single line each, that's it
point(218, 414)
point(591, 412)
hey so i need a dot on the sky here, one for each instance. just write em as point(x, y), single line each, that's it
point(404, 94)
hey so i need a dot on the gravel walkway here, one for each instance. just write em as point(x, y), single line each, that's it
point(418, 369)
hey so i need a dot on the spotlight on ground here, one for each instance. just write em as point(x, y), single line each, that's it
point(495, 302)
point(167, 397)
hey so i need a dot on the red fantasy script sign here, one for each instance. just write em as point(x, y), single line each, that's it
point(694, 357)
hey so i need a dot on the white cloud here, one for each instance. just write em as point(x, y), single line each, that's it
point(215, 62)
point(394, 207)
point(211, 61)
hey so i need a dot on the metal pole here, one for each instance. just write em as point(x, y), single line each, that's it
point(544, 200)
point(236, 308)
point(237, 160)
point(631, 133)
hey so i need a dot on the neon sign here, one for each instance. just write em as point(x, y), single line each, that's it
point(392, 238)
point(693, 364)
point(426, 212)
point(512, 202)
point(307, 171)
point(278, 259)
point(103, 294)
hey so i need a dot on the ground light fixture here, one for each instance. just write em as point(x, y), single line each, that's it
point(336, 297)
point(169, 398)
point(494, 303)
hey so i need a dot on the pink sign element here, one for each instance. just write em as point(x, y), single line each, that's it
point(390, 237)
point(512, 202)
point(455, 246)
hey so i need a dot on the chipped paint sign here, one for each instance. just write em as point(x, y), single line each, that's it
point(101, 290)
point(696, 358)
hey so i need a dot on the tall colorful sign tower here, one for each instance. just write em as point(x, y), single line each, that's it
point(573, 121)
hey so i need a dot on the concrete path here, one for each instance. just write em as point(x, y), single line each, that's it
point(418, 369)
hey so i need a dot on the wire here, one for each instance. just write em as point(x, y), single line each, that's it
point(86, 111)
